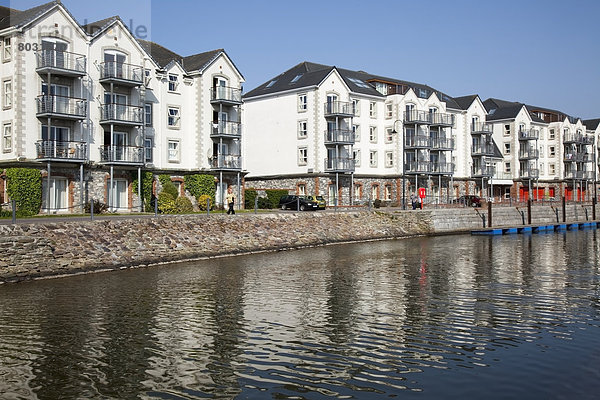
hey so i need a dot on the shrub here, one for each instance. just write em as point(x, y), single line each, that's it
point(249, 198)
point(264, 204)
point(377, 203)
point(183, 205)
point(24, 185)
point(99, 207)
point(273, 196)
point(166, 203)
point(169, 188)
point(202, 202)
point(200, 184)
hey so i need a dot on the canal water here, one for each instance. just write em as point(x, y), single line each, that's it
point(444, 317)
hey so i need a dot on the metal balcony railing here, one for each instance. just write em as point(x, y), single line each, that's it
point(482, 149)
point(502, 175)
point(442, 144)
point(417, 167)
point(52, 149)
point(340, 136)
point(339, 108)
point(226, 94)
point(574, 156)
point(339, 164)
point(226, 161)
point(122, 154)
point(578, 138)
point(529, 134)
point(61, 61)
point(226, 128)
point(482, 128)
point(530, 173)
point(417, 141)
point(574, 174)
point(121, 72)
point(528, 154)
point(122, 113)
point(53, 105)
point(442, 168)
point(441, 119)
point(478, 172)
point(418, 117)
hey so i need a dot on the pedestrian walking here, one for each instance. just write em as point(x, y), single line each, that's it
point(413, 201)
point(230, 200)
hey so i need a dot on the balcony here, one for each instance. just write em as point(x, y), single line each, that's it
point(121, 114)
point(417, 167)
point(442, 168)
point(578, 138)
point(339, 164)
point(574, 156)
point(503, 175)
point(574, 175)
point(340, 136)
point(529, 134)
point(61, 107)
point(226, 95)
point(417, 142)
point(482, 172)
point(113, 154)
point(61, 151)
point(481, 128)
point(339, 109)
point(529, 154)
point(226, 162)
point(445, 144)
point(121, 73)
point(62, 63)
point(530, 173)
point(484, 149)
point(417, 117)
point(226, 129)
point(441, 119)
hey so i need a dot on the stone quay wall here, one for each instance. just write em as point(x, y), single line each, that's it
point(46, 249)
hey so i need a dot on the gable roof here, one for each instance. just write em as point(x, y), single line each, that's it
point(592, 124)
point(17, 18)
point(94, 28)
point(163, 57)
point(464, 102)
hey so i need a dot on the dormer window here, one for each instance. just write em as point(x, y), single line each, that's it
point(173, 83)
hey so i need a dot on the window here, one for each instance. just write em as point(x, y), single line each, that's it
point(356, 157)
point(356, 130)
point(373, 158)
point(373, 109)
point(507, 130)
point(542, 134)
point(375, 191)
point(58, 194)
point(173, 83)
point(358, 188)
point(271, 83)
point(507, 193)
point(389, 110)
point(7, 53)
point(296, 78)
point(389, 136)
point(507, 167)
point(302, 129)
point(148, 150)
point(551, 151)
point(541, 151)
point(507, 148)
point(302, 102)
point(8, 93)
point(148, 114)
point(356, 107)
point(551, 169)
point(541, 168)
point(551, 135)
point(389, 159)
point(373, 134)
point(302, 156)
point(173, 148)
point(387, 192)
point(301, 189)
point(173, 117)
point(7, 137)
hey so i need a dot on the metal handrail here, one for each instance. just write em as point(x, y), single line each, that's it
point(481, 127)
point(226, 93)
point(122, 112)
point(68, 150)
point(61, 59)
point(529, 153)
point(442, 143)
point(529, 134)
point(531, 173)
point(340, 136)
point(339, 164)
point(339, 107)
point(122, 71)
point(228, 128)
point(226, 161)
point(411, 116)
point(482, 171)
point(114, 153)
point(55, 104)
point(482, 149)
point(417, 141)
point(437, 118)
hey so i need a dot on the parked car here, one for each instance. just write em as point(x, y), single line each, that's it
point(319, 200)
point(468, 200)
point(294, 202)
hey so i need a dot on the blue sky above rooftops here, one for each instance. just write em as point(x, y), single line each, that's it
point(544, 53)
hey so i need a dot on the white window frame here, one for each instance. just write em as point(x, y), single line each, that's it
point(176, 117)
point(389, 136)
point(302, 155)
point(356, 157)
point(302, 102)
point(541, 151)
point(373, 134)
point(373, 109)
point(173, 83)
point(146, 107)
point(551, 169)
point(373, 158)
point(551, 151)
point(507, 130)
point(7, 137)
point(389, 159)
point(552, 134)
point(541, 169)
point(541, 134)
point(389, 110)
point(387, 192)
point(356, 129)
point(302, 129)
point(302, 189)
point(174, 154)
point(507, 167)
point(356, 107)
point(148, 148)
point(7, 93)
point(7, 49)
point(507, 148)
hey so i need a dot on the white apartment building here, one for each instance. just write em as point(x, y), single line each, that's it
point(91, 107)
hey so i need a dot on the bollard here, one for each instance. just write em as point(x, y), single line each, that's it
point(586, 213)
point(369, 205)
point(522, 216)
point(490, 214)
point(483, 219)
point(255, 204)
point(156, 206)
point(207, 207)
point(529, 211)
point(92, 209)
point(564, 209)
point(298, 204)
point(594, 208)
point(556, 213)
point(14, 211)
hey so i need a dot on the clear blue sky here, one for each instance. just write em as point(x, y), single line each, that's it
point(545, 53)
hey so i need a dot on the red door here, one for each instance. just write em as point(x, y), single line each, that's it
point(523, 193)
point(568, 194)
point(551, 193)
point(538, 194)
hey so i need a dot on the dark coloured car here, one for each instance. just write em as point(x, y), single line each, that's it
point(293, 202)
point(469, 201)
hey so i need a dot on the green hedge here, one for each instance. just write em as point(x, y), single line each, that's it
point(201, 185)
point(273, 196)
point(24, 185)
point(249, 197)
point(147, 181)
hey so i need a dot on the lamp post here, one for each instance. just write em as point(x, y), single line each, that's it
point(403, 167)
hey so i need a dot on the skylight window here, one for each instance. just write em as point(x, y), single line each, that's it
point(359, 83)
point(272, 83)
point(296, 78)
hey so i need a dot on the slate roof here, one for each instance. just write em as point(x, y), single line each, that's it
point(17, 18)
point(592, 124)
point(94, 27)
point(163, 56)
point(465, 102)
